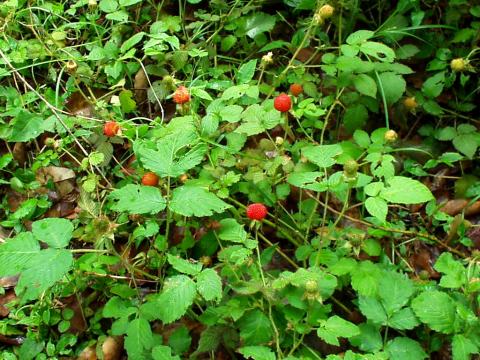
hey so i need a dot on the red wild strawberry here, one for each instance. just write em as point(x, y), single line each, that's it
point(256, 211)
point(296, 89)
point(282, 103)
point(181, 95)
point(111, 128)
point(150, 179)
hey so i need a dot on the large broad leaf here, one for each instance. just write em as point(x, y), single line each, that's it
point(26, 126)
point(196, 201)
point(257, 353)
point(209, 285)
point(139, 339)
point(404, 319)
point(246, 72)
point(43, 271)
point(231, 230)
point(184, 266)
point(462, 347)
point(255, 24)
point(173, 302)
point(365, 85)
point(55, 232)
point(16, 253)
point(377, 207)
point(437, 310)
point(138, 199)
point(403, 190)
point(373, 310)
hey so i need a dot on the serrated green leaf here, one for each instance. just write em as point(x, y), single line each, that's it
point(43, 271)
point(257, 353)
point(377, 50)
point(209, 285)
point(139, 339)
point(403, 190)
point(365, 278)
point(246, 71)
point(162, 352)
point(402, 348)
point(404, 319)
point(26, 126)
point(394, 291)
point(138, 199)
point(255, 328)
point(377, 207)
point(336, 327)
point(322, 155)
point(196, 201)
point(467, 144)
point(184, 266)
point(127, 102)
point(433, 86)
point(16, 253)
point(55, 232)
point(231, 230)
point(463, 347)
point(359, 37)
point(436, 309)
point(393, 86)
point(373, 310)
point(365, 85)
point(173, 302)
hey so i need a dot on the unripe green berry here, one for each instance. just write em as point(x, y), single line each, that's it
point(350, 168)
point(390, 136)
point(458, 64)
point(311, 286)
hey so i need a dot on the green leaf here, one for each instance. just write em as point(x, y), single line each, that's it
point(139, 339)
point(235, 92)
point(365, 85)
point(246, 72)
point(26, 126)
point(394, 291)
point(196, 201)
point(131, 42)
point(55, 232)
point(463, 347)
point(336, 327)
point(393, 86)
point(359, 37)
point(255, 328)
point(433, 86)
point(355, 117)
point(126, 101)
point(231, 113)
point(403, 348)
point(256, 24)
point(231, 230)
point(172, 157)
point(404, 319)
point(173, 302)
point(209, 285)
point(454, 273)
point(200, 93)
point(129, 2)
point(377, 50)
point(16, 253)
point(467, 144)
point(365, 278)
point(369, 339)
point(138, 199)
point(377, 207)
point(184, 266)
point(117, 308)
point(322, 155)
point(162, 352)
point(403, 190)
point(436, 309)
point(373, 310)
point(257, 353)
point(108, 6)
point(43, 271)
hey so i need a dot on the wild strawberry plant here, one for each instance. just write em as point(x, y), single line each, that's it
point(239, 180)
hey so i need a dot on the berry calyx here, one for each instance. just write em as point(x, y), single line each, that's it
point(150, 179)
point(256, 211)
point(296, 89)
point(282, 103)
point(410, 103)
point(111, 128)
point(311, 286)
point(181, 95)
point(390, 136)
point(458, 64)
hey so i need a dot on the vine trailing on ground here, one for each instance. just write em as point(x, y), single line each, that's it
point(258, 180)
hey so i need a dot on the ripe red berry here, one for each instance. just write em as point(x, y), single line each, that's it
point(296, 89)
point(111, 128)
point(150, 179)
point(256, 211)
point(181, 95)
point(282, 103)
